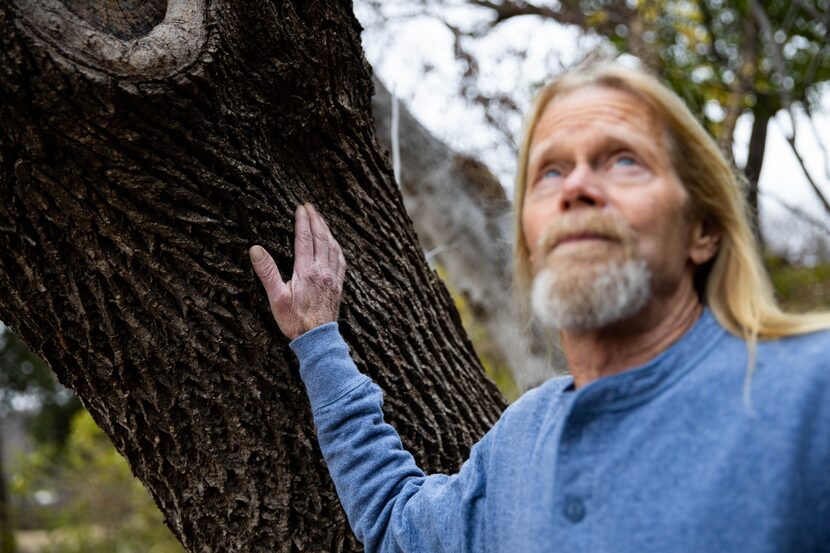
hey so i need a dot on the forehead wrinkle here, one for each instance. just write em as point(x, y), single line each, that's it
point(616, 107)
point(619, 110)
point(611, 139)
point(577, 117)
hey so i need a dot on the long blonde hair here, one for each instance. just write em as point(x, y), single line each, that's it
point(734, 284)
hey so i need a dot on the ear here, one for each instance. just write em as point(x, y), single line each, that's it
point(705, 241)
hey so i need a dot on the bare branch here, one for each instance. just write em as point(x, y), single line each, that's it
point(566, 13)
point(819, 140)
point(780, 71)
point(800, 213)
point(508, 9)
point(822, 198)
point(814, 13)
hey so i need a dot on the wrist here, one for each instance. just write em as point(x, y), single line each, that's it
point(316, 321)
point(303, 329)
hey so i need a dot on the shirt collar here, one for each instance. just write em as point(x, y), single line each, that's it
point(636, 385)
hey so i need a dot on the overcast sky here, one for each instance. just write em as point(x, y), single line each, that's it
point(414, 57)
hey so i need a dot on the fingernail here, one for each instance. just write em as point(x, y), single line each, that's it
point(257, 253)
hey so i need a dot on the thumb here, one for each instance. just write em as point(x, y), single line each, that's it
point(268, 274)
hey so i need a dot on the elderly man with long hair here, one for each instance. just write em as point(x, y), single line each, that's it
point(696, 416)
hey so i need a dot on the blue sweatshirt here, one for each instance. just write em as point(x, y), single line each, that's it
point(661, 458)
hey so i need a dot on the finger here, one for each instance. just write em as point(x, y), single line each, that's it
point(334, 246)
point(268, 274)
point(341, 264)
point(303, 240)
point(334, 250)
point(320, 233)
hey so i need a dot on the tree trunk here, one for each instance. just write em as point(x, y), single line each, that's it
point(752, 169)
point(462, 215)
point(139, 159)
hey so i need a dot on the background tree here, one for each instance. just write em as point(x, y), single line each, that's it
point(142, 150)
point(726, 58)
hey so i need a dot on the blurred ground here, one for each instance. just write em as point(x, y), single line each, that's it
point(31, 541)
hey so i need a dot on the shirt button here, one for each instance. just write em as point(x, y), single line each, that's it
point(574, 509)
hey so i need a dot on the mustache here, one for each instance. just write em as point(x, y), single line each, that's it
point(608, 225)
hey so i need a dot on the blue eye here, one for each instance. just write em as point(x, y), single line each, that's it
point(551, 173)
point(626, 161)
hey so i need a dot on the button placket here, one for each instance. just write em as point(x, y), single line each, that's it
point(575, 478)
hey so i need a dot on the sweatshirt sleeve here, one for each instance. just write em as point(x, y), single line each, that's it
point(391, 504)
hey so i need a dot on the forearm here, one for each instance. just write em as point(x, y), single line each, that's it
point(370, 469)
point(391, 505)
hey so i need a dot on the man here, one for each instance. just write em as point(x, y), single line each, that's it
point(696, 416)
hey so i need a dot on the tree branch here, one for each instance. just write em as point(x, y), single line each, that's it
point(744, 82)
point(819, 140)
point(822, 198)
point(814, 13)
point(800, 213)
point(780, 70)
point(507, 10)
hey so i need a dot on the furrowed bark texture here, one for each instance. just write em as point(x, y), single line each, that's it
point(135, 173)
point(463, 217)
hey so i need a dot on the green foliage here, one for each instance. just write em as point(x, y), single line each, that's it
point(487, 352)
point(21, 371)
point(7, 543)
point(101, 507)
point(51, 424)
point(717, 52)
point(800, 288)
point(24, 375)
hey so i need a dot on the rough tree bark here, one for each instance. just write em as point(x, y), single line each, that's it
point(462, 215)
point(143, 147)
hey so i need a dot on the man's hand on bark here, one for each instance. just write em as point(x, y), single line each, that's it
point(312, 297)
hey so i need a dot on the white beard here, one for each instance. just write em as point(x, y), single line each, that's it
point(613, 292)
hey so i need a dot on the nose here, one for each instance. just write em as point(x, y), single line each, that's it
point(581, 188)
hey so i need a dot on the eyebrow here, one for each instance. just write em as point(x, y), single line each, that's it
point(550, 149)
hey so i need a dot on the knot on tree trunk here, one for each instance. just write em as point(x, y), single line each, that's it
point(133, 39)
point(124, 19)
